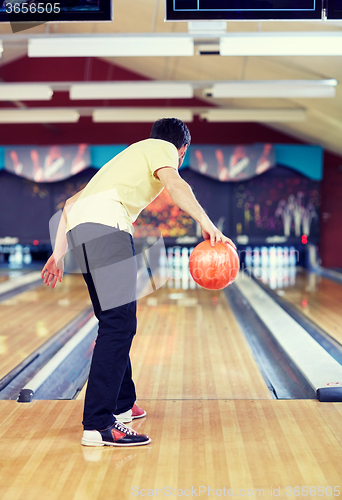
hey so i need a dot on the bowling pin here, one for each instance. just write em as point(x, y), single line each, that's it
point(18, 255)
point(272, 277)
point(177, 266)
point(162, 258)
point(11, 257)
point(170, 266)
point(248, 257)
point(280, 276)
point(192, 282)
point(264, 257)
point(170, 257)
point(293, 256)
point(256, 257)
point(185, 268)
point(163, 267)
point(273, 257)
point(177, 257)
point(280, 257)
point(27, 258)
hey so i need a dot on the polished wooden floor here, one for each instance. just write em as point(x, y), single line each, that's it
point(237, 445)
point(212, 421)
point(317, 298)
point(30, 318)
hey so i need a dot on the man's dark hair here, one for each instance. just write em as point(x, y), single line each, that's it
point(171, 130)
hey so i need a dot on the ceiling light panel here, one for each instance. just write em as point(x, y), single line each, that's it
point(111, 46)
point(282, 44)
point(25, 92)
point(39, 115)
point(132, 90)
point(274, 89)
point(140, 115)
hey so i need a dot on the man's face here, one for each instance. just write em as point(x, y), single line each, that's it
point(181, 155)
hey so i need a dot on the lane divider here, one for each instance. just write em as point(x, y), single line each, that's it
point(319, 368)
point(26, 279)
point(27, 393)
point(329, 274)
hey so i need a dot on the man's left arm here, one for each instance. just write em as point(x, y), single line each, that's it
point(54, 267)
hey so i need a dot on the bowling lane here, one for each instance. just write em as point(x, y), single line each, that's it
point(190, 346)
point(30, 318)
point(316, 297)
point(7, 274)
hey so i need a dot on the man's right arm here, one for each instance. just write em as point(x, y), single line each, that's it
point(183, 196)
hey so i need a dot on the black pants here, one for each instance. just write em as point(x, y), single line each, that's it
point(106, 256)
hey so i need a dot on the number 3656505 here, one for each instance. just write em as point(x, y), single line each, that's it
point(33, 8)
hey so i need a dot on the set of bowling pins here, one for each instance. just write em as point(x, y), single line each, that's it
point(174, 263)
point(274, 266)
point(19, 256)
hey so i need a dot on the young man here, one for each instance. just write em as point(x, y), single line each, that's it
point(97, 227)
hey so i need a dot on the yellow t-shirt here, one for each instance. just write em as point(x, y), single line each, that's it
point(124, 186)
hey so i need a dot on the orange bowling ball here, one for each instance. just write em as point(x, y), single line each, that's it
point(214, 267)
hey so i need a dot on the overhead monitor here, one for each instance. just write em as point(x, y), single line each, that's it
point(334, 9)
point(207, 10)
point(42, 11)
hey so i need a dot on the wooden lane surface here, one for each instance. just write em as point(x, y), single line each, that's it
point(189, 346)
point(9, 274)
point(7, 408)
point(319, 299)
point(243, 444)
point(30, 318)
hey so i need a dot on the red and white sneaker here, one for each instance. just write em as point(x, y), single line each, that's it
point(117, 434)
point(132, 414)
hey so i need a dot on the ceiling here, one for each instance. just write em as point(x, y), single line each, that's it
point(324, 115)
